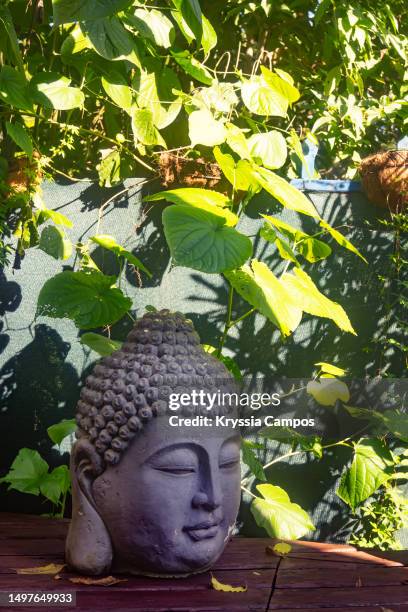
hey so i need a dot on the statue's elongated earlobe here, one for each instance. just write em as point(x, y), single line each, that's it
point(88, 547)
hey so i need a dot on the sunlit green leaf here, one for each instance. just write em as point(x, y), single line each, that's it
point(55, 216)
point(117, 89)
point(261, 99)
point(191, 12)
point(313, 249)
point(206, 199)
point(304, 292)
point(330, 369)
point(109, 168)
point(290, 232)
point(154, 25)
point(282, 86)
point(75, 42)
point(144, 129)
point(56, 483)
point(340, 239)
point(191, 195)
point(240, 174)
point(237, 141)
point(109, 243)
point(209, 37)
point(21, 137)
point(152, 88)
point(54, 91)
point(278, 515)
point(270, 148)
point(205, 130)
point(265, 292)
point(327, 391)
point(193, 67)
point(371, 468)
point(285, 193)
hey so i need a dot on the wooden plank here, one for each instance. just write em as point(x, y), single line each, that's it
point(361, 575)
point(9, 563)
point(246, 553)
point(385, 596)
point(29, 547)
point(315, 565)
point(261, 579)
point(149, 595)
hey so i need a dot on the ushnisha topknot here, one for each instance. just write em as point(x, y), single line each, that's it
point(161, 355)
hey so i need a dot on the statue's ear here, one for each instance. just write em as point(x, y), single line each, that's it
point(88, 547)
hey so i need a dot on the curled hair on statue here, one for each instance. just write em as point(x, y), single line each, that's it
point(162, 355)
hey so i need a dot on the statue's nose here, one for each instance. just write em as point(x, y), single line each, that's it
point(206, 501)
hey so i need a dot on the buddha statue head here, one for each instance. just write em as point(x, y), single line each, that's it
point(153, 494)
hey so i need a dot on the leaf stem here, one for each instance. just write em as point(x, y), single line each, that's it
point(244, 316)
point(247, 491)
point(227, 322)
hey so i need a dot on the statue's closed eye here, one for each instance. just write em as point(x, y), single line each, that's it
point(230, 463)
point(178, 470)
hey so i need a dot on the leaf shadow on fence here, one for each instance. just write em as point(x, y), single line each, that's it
point(38, 389)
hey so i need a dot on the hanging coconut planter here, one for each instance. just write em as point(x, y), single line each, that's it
point(385, 179)
point(178, 171)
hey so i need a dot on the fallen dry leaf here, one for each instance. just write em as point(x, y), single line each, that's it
point(51, 568)
point(226, 588)
point(106, 581)
point(282, 549)
point(279, 550)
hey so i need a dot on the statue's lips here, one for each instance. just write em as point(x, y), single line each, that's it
point(203, 531)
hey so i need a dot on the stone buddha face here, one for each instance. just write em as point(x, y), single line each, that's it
point(164, 504)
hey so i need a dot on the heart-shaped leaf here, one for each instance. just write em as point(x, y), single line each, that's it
point(270, 148)
point(202, 240)
point(263, 100)
point(54, 91)
point(67, 11)
point(89, 299)
point(205, 130)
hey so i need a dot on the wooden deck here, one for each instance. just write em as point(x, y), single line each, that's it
point(311, 577)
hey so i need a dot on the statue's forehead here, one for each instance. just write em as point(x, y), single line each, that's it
point(159, 434)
